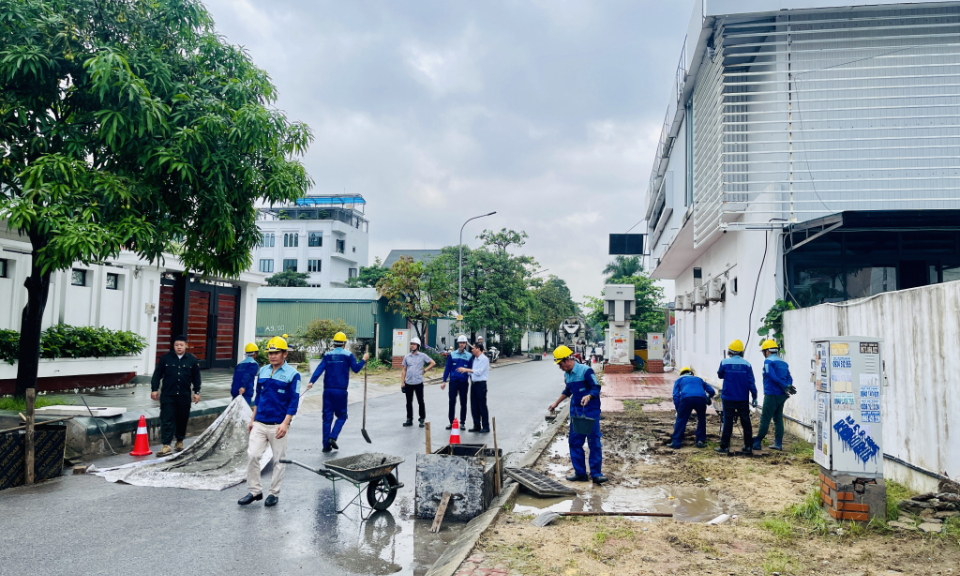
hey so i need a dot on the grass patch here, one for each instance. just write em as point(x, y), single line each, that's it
point(777, 561)
point(896, 492)
point(951, 529)
point(802, 448)
point(20, 404)
point(605, 533)
point(808, 513)
point(519, 557)
point(779, 527)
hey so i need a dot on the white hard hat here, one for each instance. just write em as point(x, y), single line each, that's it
point(415, 341)
point(462, 338)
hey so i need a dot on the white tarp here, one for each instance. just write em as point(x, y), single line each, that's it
point(215, 461)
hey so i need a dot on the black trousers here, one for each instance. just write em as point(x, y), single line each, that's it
point(478, 405)
point(410, 390)
point(458, 389)
point(174, 415)
point(733, 409)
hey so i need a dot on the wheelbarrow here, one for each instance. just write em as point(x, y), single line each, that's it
point(370, 468)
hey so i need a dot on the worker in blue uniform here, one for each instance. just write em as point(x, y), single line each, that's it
point(278, 395)
point(738, 386)
point(336, 364)
point(245, 374)
point(459, 381)
point(777, 387)
point(690, 394)
point(584, 390)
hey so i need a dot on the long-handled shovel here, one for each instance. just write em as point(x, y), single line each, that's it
point(363, 429)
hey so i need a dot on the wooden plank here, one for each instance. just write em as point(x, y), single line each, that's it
point(427, 429)
point(441, 510)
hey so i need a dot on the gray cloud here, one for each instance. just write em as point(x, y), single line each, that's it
point(547, 111)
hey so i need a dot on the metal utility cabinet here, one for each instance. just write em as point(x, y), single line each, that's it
point(848, 430)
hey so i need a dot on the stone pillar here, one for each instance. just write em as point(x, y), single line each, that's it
point(850, 498)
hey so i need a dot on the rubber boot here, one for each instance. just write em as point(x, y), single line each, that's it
point(757, 445)
point(777, 444)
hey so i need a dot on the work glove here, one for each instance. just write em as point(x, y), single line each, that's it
point(791, 390)
point(709, 401)
point(755, 405)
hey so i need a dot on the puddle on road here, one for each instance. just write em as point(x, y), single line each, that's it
point(688, 504)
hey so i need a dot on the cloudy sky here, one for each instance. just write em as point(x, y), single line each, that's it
point(547, 111)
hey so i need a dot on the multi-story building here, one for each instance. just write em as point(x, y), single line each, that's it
point(325, 236)
point(810, 153)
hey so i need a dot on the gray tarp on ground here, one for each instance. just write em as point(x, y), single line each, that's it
point(215, 461)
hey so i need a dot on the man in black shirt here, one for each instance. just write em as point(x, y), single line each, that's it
point(178, 370)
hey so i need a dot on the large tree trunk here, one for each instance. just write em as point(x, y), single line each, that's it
point(28, 361)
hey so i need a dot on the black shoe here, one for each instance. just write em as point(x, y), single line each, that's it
point(721, 450)
point(599, 479)
point(333, 444)
point(271, 500)
point(326, 448)
point(701, 444)
point(249, 499)
point(449, 426)
point(422, 423)
point(409, 422)
point(484, 430)
point(675, 447)
point(578, 478)
point(474, 429)
point(747, 451)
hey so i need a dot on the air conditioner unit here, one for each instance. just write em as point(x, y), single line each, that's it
point(715, 290)
point(699, 296)
point(688, 302)
point(678, 303)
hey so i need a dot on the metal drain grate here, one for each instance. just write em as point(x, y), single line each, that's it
point(539, 484)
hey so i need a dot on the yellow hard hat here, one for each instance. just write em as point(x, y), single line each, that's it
point(251, 347)
point(687, 370)
point(339, 337)
point(769, 344)
point(736, 346)
point(277, 344)
point(560, 353)
point(285, 336)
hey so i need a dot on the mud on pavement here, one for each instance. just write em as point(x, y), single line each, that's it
point(777, 525)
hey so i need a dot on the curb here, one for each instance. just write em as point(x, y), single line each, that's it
point(459, 550)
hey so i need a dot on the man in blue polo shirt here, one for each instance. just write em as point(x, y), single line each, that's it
point(245, 374)
point(584, 390)
point(738, 385)
point(335, 367)
point(459, 381)
point(278, 393)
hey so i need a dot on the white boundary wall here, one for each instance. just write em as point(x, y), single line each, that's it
point(920, 403)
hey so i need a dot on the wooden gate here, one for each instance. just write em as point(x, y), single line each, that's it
point(166, 314)
point(213, 324)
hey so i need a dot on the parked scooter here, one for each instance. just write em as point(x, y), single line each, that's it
point(493, 354)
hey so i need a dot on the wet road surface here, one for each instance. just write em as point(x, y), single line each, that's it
point(86, 525)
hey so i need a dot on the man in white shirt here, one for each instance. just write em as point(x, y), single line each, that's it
point(478, 389)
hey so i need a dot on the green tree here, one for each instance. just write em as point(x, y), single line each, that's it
point(622, 267)
point(125, 124)
point(288, 279)
point(418, 295)
point(551, 303)
point(648, 297)
point(368, 276)
point(321, 331)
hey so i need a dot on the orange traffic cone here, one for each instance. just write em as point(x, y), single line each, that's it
point(455, 432)
point(141, 446)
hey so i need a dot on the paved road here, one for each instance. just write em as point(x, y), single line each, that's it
point(85, 525)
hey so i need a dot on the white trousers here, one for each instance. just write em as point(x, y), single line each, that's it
point(261, 436)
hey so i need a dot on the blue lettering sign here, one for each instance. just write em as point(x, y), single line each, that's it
point(855, 439)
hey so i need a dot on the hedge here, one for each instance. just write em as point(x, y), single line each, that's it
point(62, 341)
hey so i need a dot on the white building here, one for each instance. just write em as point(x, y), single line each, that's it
point(157, 301)
point(325, 236)
point(811, 153)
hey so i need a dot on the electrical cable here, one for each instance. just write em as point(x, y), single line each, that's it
point(756, 286)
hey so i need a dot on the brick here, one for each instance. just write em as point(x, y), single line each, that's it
point(828, 482)
point(834, 513)
point(827, 500)
point(844, 495)
point(858, 516)
point(852, 507)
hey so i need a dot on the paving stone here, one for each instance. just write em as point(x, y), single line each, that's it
point(947, 514)
point(902, 526)
point(931, 528)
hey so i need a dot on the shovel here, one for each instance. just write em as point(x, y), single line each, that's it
point(363, 429)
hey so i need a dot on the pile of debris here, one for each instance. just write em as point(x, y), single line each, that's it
point(932, 508)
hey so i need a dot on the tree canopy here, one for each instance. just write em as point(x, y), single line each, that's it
point(125, 124)
point(289, 279)
point(648, 297)
point(417, 294)
point(368, 276)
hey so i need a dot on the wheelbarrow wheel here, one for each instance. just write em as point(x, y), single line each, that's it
point(382, 492)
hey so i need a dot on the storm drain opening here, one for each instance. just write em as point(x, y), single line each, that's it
point(538, 484)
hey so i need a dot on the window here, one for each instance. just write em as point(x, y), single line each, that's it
point(4, 269)
point(688, 124)
point(869, 280)
point(266, 266)
point(268, 240)
point(78, 277)
point(291, 240)
point(113, 281)
point(697, 277)
point(290, 264)
point(341, 246)
point(354, 249)
point(352, 273)
point(315, 239)
point(313, 265)
point(314, 286)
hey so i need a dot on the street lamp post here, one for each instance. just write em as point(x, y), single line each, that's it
point(460, 273)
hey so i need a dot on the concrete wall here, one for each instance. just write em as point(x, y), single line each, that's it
point(920, 399)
